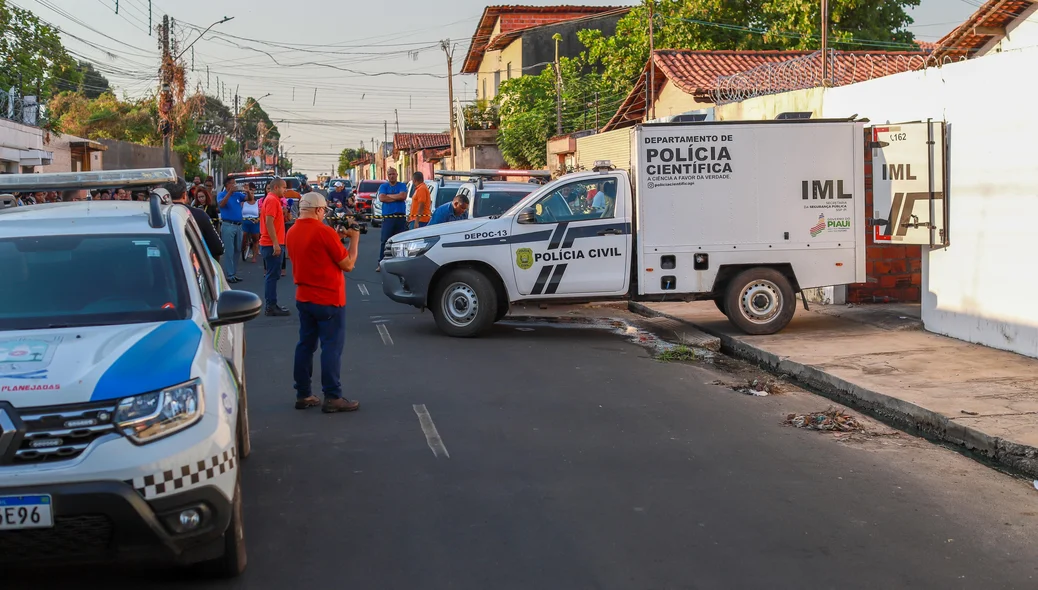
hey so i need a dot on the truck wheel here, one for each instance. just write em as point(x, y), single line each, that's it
point(464, 303)
point(720, 305)
point(502, 311)
point(760, 301)
point(232, 562)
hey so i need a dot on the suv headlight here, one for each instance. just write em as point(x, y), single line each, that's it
point(150, 416)
point(412, 248)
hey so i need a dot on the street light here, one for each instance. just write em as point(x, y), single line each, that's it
point(219, 22)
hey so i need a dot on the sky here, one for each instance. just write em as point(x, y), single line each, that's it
point(348, 70)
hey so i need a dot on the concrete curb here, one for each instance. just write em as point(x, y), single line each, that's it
point(1016, 457)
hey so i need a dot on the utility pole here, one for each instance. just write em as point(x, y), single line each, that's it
point(385, 163)
point(825, 42)
point(165, 107)
point(651, 108)
point(597, 126)
point(238, 127)
point(449, 51)
point(558, 86)
point(396, 117)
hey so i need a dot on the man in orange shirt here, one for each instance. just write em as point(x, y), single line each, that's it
point(421, 203)
point(319, 260)
point(272, 240)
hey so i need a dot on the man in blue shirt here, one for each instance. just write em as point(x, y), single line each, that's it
point(455, 210)
point(393, 196)
point(230, 200)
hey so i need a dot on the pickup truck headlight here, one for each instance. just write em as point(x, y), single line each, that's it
point(150, 416)
point(411, 248)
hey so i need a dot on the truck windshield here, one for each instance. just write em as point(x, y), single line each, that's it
point(70, 281)
point(487, 203)
point(369, 187)
point(445, 194)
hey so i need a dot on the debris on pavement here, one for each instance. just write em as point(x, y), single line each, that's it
point(969, 413)
point(754, 387)
point(831, 420)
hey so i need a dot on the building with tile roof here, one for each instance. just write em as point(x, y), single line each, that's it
point(512, 41)
point(995, 26)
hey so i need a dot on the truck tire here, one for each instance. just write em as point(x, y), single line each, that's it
point(244, 437)
point(464, 303)
point(760, 301)
point(232, 562)
point(502, 311)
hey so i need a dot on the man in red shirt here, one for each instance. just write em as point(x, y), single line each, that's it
point(318, 261)
point(272, 240)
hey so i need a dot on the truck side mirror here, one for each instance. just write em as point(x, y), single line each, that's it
point(527, 216)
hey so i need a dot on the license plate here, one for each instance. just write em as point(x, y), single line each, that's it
point(25, 512)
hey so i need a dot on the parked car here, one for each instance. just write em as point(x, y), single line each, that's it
point(123, 405)
point(366, 202)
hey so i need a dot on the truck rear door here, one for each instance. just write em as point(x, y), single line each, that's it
point(578, 241)
point(910, 205)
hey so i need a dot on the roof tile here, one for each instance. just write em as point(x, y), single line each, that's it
point(418, 141)
point(964, 41)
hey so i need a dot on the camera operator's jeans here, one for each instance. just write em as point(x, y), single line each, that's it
point(272, 268)
point(231, 234)
point(326, 323)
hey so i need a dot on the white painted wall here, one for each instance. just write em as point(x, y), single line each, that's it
point(979, 289)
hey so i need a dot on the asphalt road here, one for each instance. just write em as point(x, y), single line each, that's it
point(570, 459)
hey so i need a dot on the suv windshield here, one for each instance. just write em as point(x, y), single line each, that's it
point(369, 186)
point(491, 202)
point(445, 194)
point(58, 281)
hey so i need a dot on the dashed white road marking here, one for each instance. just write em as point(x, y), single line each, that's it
point(383, 331)
point(363, 289)
point(432, 437)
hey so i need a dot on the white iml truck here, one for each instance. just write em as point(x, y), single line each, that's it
point(747, 214)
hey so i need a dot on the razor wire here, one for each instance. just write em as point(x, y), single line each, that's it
point(14, 106)
point(805, 72)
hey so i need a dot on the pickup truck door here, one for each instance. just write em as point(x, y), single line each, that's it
point(575, 240)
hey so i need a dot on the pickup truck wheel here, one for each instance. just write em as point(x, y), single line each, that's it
point(760, 301)
point(244, 438)
point(232, 562)
point(464, 304)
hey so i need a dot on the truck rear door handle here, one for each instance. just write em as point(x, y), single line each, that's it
point(610, 232)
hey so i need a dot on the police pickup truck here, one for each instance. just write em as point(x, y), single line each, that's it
point(743, 213)
point(123, 409)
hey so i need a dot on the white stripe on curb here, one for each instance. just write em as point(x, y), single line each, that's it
point(432, 437)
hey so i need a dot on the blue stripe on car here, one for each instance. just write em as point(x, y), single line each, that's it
point(160, 359)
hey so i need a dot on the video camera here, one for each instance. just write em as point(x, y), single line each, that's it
point(344, 219)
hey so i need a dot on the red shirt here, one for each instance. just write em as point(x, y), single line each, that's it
point(273, 208)
point(316, 253)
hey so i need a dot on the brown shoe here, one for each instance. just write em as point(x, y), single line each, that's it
point(332, 406)
point(308, 402)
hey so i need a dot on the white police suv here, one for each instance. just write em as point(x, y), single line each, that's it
point(123, 413)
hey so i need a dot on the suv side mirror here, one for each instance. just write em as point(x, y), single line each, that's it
point(527, 216)
point(236, 307)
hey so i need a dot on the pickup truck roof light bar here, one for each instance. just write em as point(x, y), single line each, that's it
point(61, 181)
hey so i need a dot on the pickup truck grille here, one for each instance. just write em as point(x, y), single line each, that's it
point(62, 432)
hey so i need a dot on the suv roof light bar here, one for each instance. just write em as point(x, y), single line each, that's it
point(60, 181)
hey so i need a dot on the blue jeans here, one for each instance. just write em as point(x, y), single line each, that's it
point(231, 236)
point(272, 268)
point(391, 227)
point(326, 323)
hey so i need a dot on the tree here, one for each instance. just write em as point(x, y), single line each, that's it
point(230, 160)
point(347, 156)
point(526, 107)
point(92, 85)
point(257, 128)
point(107, 117)
point(216, 117)
point(749, 24)
point(32, 54)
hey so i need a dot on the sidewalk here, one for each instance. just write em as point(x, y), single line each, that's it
point(880, 360)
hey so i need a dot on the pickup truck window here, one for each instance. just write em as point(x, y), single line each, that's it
point(579, 201)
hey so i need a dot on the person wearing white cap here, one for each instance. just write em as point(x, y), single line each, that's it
point(318, 261)
point(338, 194)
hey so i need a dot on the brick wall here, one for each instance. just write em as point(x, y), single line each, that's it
point(893, 271)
